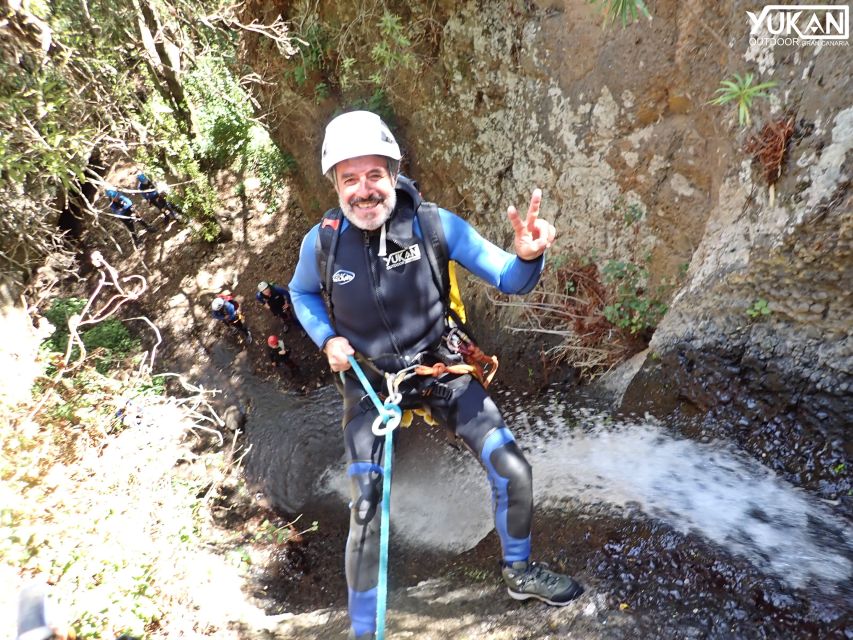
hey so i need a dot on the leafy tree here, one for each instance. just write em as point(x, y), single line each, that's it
point(80, 80)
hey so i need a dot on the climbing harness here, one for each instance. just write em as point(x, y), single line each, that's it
point(476, 362)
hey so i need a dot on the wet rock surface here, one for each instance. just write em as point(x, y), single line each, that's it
point(642, 579)
point(780, 418)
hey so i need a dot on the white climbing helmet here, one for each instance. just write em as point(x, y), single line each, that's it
point(354, 134)
point(263, 284)
point(217, 304)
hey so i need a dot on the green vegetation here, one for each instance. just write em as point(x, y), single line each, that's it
point(598, 318)
point(228, 133)
point(740, 90)
point(102, 496)
point(109, 342)
point(361, 61)
point(145, 81)
point(631, 213)
point(632, 307)
point(170, 151)
point(270, 533)
point(758, 309)
point(108, 585)
point(625, 11)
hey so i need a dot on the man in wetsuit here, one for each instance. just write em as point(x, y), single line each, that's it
point(387, 307)
point(149, 191)
point(122, 208)
point(277, 299)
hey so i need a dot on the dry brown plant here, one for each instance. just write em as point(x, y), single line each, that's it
point(569, 305)
point(769, 145)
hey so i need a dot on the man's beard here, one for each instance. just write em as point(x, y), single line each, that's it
point(351, 212)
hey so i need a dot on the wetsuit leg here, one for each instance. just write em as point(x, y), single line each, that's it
point(365, 458)
point(475, 418)
point(240, 326)
point(128, 222)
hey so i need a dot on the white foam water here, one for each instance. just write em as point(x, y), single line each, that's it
point(442, 501)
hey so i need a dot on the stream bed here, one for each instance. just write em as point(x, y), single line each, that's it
point(686, 538)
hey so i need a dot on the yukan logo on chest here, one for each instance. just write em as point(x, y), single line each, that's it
point(342, 276)
point(404, 256)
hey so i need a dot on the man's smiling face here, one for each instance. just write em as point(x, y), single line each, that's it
point(365, 191)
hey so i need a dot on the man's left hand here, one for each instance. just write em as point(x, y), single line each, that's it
point(532, 235)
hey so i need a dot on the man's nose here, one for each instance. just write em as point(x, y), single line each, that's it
point(363, 187)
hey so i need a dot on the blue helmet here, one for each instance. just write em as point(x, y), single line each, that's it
point(141, 177)
point(112, 193)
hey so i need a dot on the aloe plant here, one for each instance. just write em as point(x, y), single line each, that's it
point(741, 90)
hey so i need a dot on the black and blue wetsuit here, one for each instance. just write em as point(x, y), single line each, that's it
point(279, 304)
point(390, 309)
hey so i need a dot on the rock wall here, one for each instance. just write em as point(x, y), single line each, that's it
point(513, 95)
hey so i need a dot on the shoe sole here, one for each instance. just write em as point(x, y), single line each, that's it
point(527, 596)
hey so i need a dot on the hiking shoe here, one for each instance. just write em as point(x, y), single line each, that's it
point(534, 580)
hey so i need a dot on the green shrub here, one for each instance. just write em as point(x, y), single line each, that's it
point(739, 89)
point(110, 337)
point(625, 11)
point(60, 311)
point(632, 307)
point(229, 136)
point(359, 60)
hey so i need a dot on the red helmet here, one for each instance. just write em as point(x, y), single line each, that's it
point(272, 341)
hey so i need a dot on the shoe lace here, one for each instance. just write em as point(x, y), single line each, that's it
point(537, 572)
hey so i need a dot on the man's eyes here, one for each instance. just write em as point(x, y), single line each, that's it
point(372, 177)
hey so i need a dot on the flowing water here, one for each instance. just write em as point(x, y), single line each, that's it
point(705, 525)
point(442, 501)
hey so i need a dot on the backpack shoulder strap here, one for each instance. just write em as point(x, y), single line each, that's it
point(436, 247)
point(324, 250)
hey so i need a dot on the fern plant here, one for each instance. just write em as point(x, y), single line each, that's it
point(740, 89)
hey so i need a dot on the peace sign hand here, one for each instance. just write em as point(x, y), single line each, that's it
point(532, 236)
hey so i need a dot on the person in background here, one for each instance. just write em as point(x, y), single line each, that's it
point(226, 309)
point(279, 355)
point(122, 208)
point(277, 299)
point(156, 198)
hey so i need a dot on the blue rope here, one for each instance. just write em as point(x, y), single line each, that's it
point(366, 384)
point(386, 411)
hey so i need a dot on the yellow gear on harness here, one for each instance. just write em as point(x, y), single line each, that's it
point(456, 303)
point(423, 412)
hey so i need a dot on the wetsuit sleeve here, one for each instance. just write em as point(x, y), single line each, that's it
point(305, 293)
point(509, 273)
